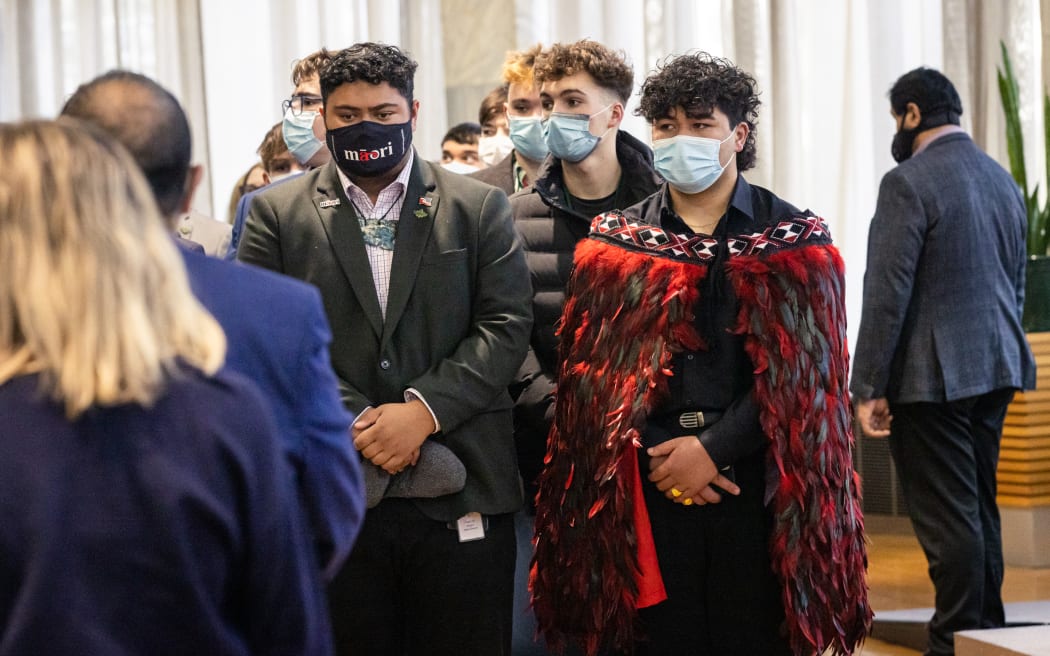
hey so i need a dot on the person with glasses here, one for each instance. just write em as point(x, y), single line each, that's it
point(302, 128)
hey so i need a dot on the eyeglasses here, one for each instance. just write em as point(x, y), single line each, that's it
point(300, 103)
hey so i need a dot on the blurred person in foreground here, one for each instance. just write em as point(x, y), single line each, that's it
point(276, 327)
point(145, 506)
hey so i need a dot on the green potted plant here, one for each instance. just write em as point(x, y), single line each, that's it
point(1037, 283)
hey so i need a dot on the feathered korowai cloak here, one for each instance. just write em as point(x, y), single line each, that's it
point(629, 308)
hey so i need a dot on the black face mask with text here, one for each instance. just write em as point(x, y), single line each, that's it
point(368, 149)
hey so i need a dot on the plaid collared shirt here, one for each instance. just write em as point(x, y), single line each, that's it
point(387, 206)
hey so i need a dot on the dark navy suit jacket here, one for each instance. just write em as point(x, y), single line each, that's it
point(278, 337)
point(166, 530)
point(944, 287)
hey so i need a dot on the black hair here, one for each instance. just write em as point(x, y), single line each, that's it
point(148, 121)
point(701, 83)
point(374, 63)
point(932, 93)
point(463, 133)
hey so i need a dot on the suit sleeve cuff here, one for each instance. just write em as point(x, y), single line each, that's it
point(413, 394)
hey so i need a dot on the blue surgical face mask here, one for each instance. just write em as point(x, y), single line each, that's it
point(526, 133)
point(689, 164)
point(569, 137)
point(298, 133)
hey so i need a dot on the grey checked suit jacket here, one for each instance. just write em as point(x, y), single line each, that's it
point(944, 287)
point(458, 316)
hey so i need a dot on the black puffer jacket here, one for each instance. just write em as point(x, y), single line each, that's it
point(549, 231)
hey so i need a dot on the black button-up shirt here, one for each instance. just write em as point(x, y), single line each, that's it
point(719, 377)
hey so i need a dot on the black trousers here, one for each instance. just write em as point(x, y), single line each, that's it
point(723, 598)
point(410, 587)
point(946, 455)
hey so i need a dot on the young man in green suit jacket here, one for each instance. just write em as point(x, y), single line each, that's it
point(428, 294)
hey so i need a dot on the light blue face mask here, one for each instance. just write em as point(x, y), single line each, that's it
point(569, 137)
point(689, 164)
point(298, 133)
point(526, 133)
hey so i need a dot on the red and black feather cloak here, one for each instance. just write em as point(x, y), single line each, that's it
point(629, 309)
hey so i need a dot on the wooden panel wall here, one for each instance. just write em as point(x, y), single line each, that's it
point(1024, 458)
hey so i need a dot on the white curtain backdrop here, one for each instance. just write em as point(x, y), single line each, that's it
point(250, 47)
point(47, 49)
point(823, 67)
point(229, 62)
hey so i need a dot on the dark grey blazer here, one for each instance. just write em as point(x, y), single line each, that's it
point(499, 175)
point(944, 287)
point(458, 315)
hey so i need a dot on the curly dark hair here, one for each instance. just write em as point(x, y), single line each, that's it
point(608, 68)
point(374, 63)
point(701, 83)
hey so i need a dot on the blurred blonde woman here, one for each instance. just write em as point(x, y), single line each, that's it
point(144, 504)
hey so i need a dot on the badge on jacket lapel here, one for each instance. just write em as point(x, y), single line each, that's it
point(329, 203)
point(424, 201)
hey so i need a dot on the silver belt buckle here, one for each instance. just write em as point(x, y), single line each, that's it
point(691, 419)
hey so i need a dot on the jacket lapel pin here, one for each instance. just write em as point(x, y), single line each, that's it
point(425, 201)
point(421, 214)
point(329, 203)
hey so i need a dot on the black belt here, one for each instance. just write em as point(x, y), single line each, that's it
point(698, 418)
point(674, 424)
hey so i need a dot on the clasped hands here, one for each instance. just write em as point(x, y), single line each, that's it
point(682, 469)
point(389, 435)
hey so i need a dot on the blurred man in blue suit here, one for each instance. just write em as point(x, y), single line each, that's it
point(276, 328)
